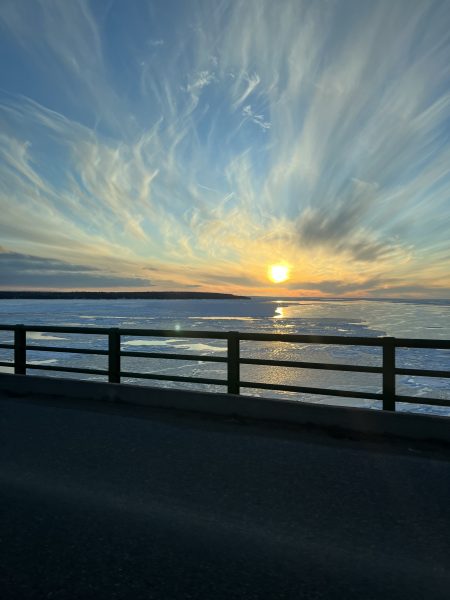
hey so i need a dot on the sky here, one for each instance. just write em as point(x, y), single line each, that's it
point(189, 145)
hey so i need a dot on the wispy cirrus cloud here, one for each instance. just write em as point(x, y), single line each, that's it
point(201, 144)
point(248, 113)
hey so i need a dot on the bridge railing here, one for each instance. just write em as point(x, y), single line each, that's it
point(233, 359)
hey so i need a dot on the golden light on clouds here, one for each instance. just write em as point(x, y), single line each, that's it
point(278, 273)
point(230, 170)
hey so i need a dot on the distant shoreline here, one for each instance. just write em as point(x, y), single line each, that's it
point(167, 295)
point(32, 295)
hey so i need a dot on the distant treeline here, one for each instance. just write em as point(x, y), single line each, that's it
point(33, 295)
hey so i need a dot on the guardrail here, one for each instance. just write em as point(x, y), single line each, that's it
point(233, 360)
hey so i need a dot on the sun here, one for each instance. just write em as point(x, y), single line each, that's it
point(278, 273)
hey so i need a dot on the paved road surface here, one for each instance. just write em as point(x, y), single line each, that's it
point(113, 503)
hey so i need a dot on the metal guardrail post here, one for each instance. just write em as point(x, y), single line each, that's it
point(233, 362)
point(114, 356)
point(389, 373)
point(20, 350)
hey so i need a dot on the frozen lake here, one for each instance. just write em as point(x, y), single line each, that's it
point(366, 318)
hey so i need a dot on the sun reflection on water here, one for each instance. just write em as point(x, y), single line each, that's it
point(279, 313)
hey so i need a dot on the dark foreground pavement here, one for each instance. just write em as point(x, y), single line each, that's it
point(128, 503)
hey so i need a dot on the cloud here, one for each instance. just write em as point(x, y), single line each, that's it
point(248, 113)
point(412, 291)
point(337, 287)
point(251, 82)
point(118, 151)
point(374, 288)
point(200, 80)
point(339, 224)
point(239, 280)
point(22, 271)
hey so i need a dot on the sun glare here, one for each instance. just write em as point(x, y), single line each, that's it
point(278, 273)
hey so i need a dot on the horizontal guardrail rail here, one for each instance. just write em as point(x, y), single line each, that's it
point(233, 382)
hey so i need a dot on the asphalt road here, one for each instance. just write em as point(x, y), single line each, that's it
point(119, 503)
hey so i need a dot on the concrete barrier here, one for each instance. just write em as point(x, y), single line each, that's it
point(294, 413)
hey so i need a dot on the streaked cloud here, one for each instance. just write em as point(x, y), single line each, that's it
point(248, 113)
point(197, 145)
point(22, 271)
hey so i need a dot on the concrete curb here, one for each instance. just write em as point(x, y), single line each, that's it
point(357, 420)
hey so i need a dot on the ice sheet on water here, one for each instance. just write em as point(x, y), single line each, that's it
point(199, 347)
point(425, 409)
point(224, 318)
point(147, 342)
point(47, 361)
point(37, 335)
point(175, 344)
point(423, 358)
point(331, 317)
